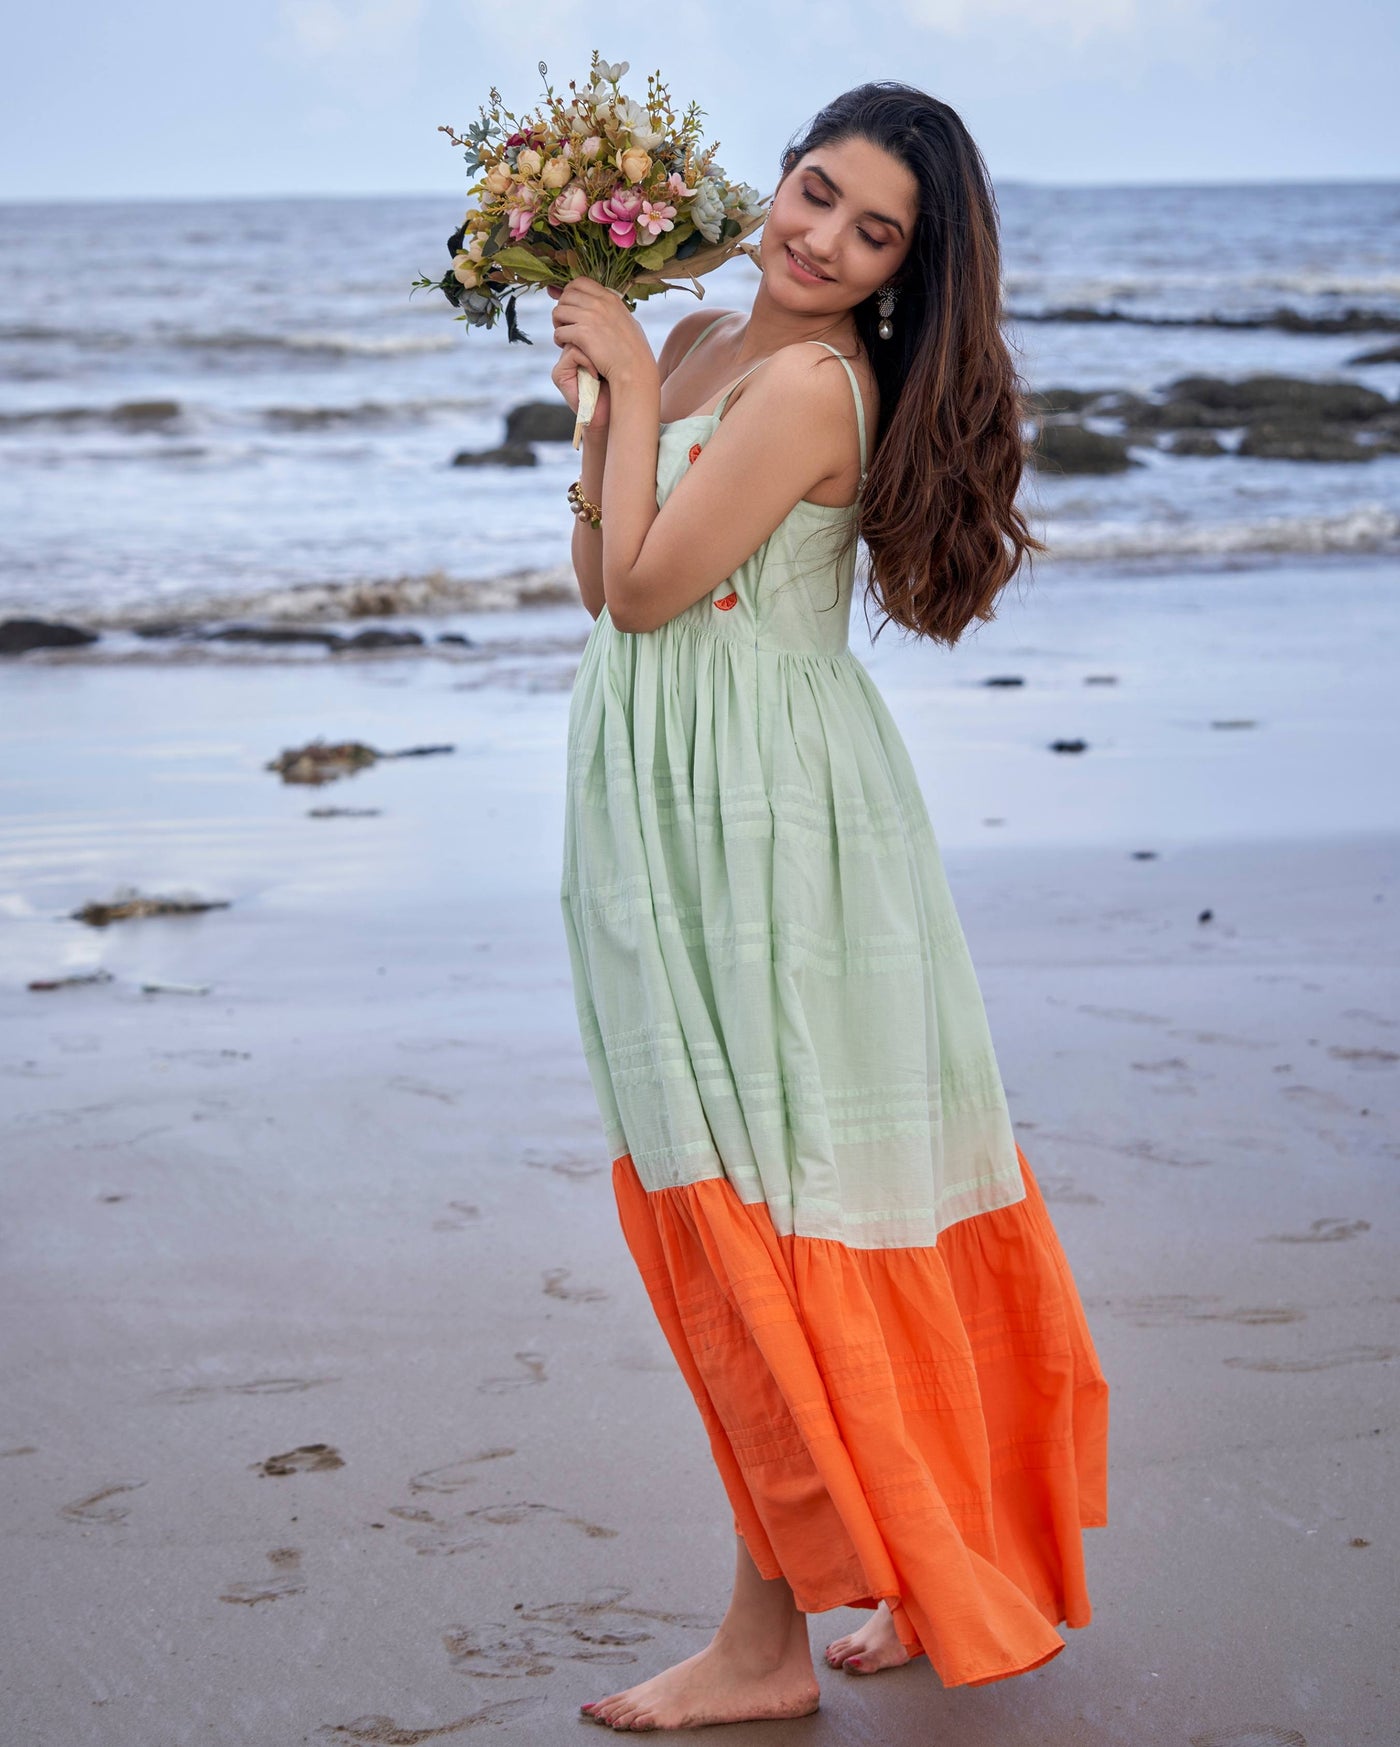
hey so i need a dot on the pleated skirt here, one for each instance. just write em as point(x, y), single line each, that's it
point(925, 1426)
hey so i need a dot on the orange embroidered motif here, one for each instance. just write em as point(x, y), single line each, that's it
point(695, 453)
point(730, 600)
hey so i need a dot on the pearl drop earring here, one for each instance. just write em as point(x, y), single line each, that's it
point(887, 295)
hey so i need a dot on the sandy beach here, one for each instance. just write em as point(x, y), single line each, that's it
point(334, 1411)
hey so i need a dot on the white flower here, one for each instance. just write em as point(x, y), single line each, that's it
point(743, 200)
point(635, 119)
point(707, 214)
point(608, 74)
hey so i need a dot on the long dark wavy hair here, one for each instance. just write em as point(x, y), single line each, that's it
point(938, 514)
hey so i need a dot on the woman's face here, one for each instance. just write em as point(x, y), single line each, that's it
point(847, 210)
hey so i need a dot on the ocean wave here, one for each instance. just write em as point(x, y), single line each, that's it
point(334, 345)
point(429, 594)
point(1366, 528)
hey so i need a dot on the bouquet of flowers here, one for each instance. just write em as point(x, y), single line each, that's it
point(591, 184)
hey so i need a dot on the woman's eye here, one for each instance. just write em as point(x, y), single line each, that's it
point(859, 232)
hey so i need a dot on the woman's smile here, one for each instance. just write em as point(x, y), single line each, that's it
point(803, 269)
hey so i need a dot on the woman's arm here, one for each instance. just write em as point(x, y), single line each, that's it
point(791, 427)
point(586, 546)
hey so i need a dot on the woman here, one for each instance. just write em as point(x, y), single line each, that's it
point(812, 1155)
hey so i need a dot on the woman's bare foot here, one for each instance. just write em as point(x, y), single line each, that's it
point(876, 1645)
point(727, 1682)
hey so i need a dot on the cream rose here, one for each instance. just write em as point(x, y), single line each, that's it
point(556, 172)
point(591, 146)
point(529, 163)
point(464, 271)
point(634, 163)
point(499, 178)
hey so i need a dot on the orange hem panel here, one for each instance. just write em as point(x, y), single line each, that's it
point(926, 1426)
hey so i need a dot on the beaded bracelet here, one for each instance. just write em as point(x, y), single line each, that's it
point(582, 508)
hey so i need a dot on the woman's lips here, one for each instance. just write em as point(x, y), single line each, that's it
point(802, 272)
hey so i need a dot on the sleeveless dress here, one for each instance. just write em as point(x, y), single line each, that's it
point(812, 1156)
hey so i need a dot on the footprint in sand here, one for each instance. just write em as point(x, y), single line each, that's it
point(554, 1279)
point(381, 1731)
point(421, 1089)
point(575, 1166)
point(461, 1534)
point(286, 1579)
point(1169, 1309)
point(1361, 1355)
point(1226, 1037)
point(186, 1392)
point(1265, 1737)
point(1061, 1191)
point(453, 1476)
point(1363, 1058)
point(460, 1214)
point(532, 1372)
point(509, 1515)
point(95, 1509)
point(21, 1450)
point(305, 1459)
point(1128, 1014)
point(1321, 1231)
point(586, 1631)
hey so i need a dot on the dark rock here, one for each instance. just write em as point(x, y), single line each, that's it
point(539, 421)
point(1144, 855)
point(457, 638)
point(510, 455)
point(146, 412)
point(270, 634)
point(1297, 440)
point(1121, 403)
point(1101, 679)
point(1005, 679)
point(1381, 355)
point(1052, 400)
point(1072, 449)
point(1347, 321)
point(1205, 915)
point(17, 635)
point(1069, 745)
point(1196, 443)
point(1258, 397)
point(377, 637)
point(1183, 415)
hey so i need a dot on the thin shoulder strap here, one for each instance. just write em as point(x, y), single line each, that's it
point(704, 336)
point(855, 390)
point(860, 403)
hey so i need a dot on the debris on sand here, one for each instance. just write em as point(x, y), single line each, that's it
point(320, 762)
point(70, 982)
point(1068, 745)
point(129, 903)
point(343, 812)
point(176, 988)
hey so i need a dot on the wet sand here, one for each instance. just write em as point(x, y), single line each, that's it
point(333, 1407)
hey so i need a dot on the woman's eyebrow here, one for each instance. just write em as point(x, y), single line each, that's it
point(883, 217)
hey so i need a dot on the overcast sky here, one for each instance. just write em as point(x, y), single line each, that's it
point(188, 97)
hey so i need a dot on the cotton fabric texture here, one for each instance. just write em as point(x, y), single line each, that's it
point(813, 1158)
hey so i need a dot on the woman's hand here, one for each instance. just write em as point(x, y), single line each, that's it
point(565, 378)
point(595, 322)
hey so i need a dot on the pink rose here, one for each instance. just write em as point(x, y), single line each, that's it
point(676, 188)
point(521, 218)
point(571, 207)
point(619, 212)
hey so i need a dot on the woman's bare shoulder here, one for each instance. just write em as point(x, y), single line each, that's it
point(685, 333)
